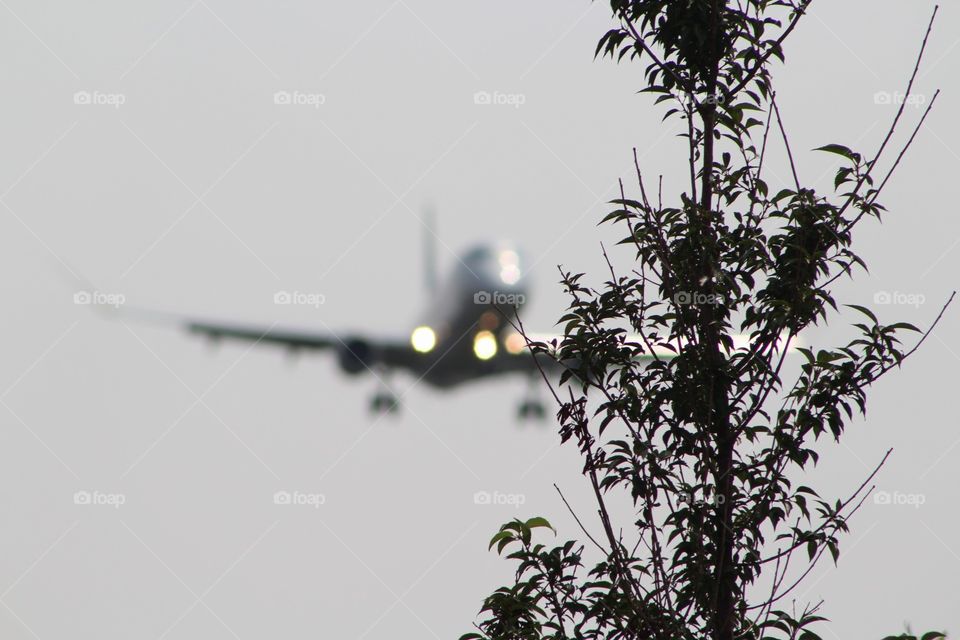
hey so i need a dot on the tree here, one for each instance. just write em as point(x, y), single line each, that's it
point(701, 433)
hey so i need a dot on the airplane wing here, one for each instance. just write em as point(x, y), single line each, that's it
point(270, 335)
point(356, 353)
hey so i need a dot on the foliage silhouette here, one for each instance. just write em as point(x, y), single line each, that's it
point(701, 433)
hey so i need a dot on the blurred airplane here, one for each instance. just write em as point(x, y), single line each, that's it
point(468, 332)
point(465, 335)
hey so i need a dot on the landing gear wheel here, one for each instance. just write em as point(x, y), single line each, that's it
point(384, 402)
point(531, 410)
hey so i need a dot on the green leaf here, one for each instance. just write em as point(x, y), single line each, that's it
point(533, 523)
point(864, 311)
point(905, 326)
point(783, 193)
point(838, 149)
point(501, 535)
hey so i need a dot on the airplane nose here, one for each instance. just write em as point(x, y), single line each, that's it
point(508, 263)
point(494, 268)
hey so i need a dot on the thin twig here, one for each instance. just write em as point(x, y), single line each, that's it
point(573, 513)
point(786, 142)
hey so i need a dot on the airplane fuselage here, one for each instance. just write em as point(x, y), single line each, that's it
point(469, 330)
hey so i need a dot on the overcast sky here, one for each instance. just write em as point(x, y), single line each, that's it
point(144, 147)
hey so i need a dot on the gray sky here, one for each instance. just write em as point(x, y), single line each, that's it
point(199, 193)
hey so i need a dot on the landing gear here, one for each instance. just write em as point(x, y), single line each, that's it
point(384, 401)
point(531, 408)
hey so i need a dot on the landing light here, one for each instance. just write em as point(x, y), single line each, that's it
point(484, 345)
point(423, 339)
point(510, 274)
point(509, 266)
point(515, 343)
point(507, 256)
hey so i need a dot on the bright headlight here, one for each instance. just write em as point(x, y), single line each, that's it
point(423, 339)
point(484, 345)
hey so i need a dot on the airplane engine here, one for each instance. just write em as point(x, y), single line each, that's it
point(356, 356)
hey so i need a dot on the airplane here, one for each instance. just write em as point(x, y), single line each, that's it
point(468, 333)
point(465, 335)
